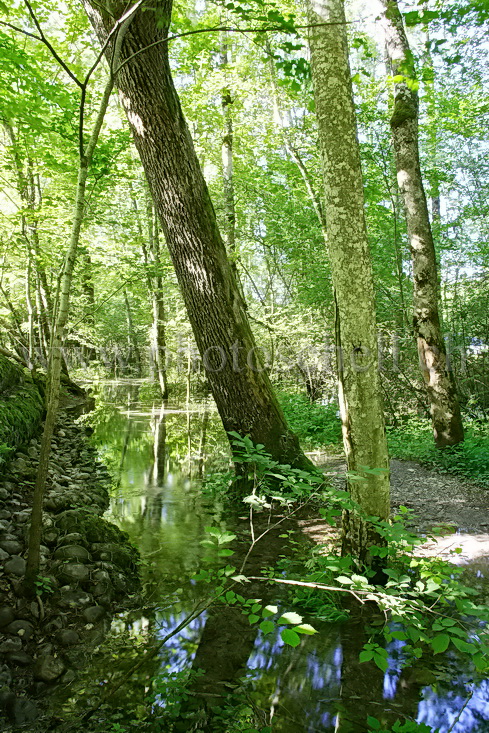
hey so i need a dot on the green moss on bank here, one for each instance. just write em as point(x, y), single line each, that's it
point(21, 407)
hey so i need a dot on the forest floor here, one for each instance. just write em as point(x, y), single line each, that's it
point(453, 508)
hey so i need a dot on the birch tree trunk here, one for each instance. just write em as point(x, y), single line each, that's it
point(239, 384)
point(358, 375)
point(438, 377)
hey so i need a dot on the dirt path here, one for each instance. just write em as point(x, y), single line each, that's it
point(436, 499)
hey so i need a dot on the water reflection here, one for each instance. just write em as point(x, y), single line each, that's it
point(158, 454)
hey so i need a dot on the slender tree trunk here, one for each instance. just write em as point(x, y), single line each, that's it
point(292, 151)
point(55, 361)
point(438, 378)
point(30, 313)
point(131, 335)
point(228, 154)
point(359, 383)
point(158, 336)
point(216, 310)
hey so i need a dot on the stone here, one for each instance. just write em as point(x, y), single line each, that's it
point(102, 588)
point(48, 668)
point(3, 494)
point(5, 514)
point(74, 538)
point(54, 625)
point(21, 711)
point(110, 552)
point(93, 614)
point(7, 615)
point(20, 465)
point(3, 555)
point(73, 572)
point(5, 675)
point(73, 598)
point(22, 628)
point(67, 637)
point(50, 536)
point(22, 517)
point(21, 658)
point(13, 547)
point(69, 677)
point(4, 525)
point(72, 552)
point(15, 566)
point(11, 645)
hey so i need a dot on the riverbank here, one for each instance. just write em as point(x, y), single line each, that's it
point(88, 571)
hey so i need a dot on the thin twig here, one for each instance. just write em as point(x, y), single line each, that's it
point(48, 45)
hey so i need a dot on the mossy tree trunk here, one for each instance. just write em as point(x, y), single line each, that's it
point(358, 374)
point(239, 384)
point(437, 375)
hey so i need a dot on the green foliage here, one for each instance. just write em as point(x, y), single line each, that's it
point(21, 408)
point(316, 426)
point(414, 441)
point(43, 585)
point(407, 726)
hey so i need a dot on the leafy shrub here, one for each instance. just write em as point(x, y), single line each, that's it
point(315, 425)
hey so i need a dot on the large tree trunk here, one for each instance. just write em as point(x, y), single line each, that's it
point(359, 384)
point(243, 393)
point(439, 381)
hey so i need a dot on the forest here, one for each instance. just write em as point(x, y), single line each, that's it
point(244, 380)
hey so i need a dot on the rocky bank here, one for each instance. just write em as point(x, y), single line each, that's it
point(89, 570)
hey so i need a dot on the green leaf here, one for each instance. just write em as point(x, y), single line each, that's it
point(344, 580)
point(290, 618)
point(267, 627)
point(269, 611)
point(253, 618)
point(225, 553)
point(366, 655)
point(463, 646)
point(290, 637)
point(305, 629)
point(440, 643)
point(381, 662)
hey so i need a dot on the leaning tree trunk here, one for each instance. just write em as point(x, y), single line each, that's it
point(241, 388)
point(359, 385)
point(438, 377)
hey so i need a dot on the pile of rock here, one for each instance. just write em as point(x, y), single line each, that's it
point(88, 570)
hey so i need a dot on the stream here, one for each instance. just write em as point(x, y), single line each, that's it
point(158, 455)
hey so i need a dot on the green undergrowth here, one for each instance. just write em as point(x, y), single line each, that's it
point(413, 440)
point(21, 407)
point(316, 426)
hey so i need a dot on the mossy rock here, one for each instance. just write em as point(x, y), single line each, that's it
point(21, 407)
point(92, 527)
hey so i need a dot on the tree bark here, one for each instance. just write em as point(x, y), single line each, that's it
point(132, 340)
point(216, 310)
point(438, 377)
point(358, 374)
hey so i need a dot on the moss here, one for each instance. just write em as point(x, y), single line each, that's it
point(21, 407)
point(404, 110)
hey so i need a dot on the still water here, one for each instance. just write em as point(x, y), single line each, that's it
point(158, 454)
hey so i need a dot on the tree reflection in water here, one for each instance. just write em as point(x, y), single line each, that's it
point(318, 686)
